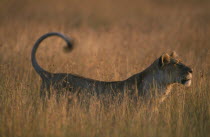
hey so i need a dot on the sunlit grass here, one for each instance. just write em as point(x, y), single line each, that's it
point(104, 50)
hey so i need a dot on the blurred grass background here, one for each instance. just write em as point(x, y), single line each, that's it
point(114, 40)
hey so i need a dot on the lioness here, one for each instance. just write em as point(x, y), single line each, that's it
point(163, 72)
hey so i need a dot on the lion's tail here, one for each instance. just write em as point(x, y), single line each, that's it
point(36, 66)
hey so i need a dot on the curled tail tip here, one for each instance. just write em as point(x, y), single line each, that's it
point(70, 46)
point(67, 49)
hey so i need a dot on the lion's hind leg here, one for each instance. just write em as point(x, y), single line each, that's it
point(44, 90)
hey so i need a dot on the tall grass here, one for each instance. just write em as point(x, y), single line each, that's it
point(110, 45)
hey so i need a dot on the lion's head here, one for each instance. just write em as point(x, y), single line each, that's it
point(173, 70)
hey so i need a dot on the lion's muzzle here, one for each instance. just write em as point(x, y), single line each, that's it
point(188, 79)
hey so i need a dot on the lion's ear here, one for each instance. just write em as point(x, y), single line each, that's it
point(173, 54)
point(164, 59)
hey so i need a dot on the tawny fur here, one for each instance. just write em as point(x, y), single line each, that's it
point(161, 75)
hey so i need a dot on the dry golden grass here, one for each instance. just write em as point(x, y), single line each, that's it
point(114, 39)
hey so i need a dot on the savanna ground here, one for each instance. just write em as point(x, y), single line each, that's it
point(113, 40)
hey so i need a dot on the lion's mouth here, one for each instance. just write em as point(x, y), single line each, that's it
point(186, 82)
